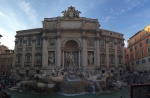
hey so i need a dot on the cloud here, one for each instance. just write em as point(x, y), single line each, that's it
point(28, 9)
point(2, 14)
point(107, 19)
point(5, 40)
point(126, 43)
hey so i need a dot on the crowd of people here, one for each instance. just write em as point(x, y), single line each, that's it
point(5, 83)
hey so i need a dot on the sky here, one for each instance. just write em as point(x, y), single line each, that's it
point(123, 16)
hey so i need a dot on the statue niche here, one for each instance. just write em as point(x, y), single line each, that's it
point(71, 53)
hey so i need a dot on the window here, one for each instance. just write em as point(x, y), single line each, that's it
point(29, 42)
point(135, 47)
point(146, 33)
point(135, 39)
point(38, 58)
point(137, 62)
point(140, 36)
point(28, 58)
point(143, 60)
point(38, 41)
point(148, 49)
point(130, 49)
point(103, 59)
point(149, 59)
point(111, 44)
point(141, 44)
point(20, 43)
point(147, 41)
point(132, 63)
point(19, 58)
point(136, 54)
point(102, 43)
point(120, 59)
point(142, 52)
point(111, 59)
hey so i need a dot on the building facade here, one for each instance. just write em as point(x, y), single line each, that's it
point(6, 61)
point(66, 41)
point(139, 50)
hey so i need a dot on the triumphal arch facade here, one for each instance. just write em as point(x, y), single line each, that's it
point(69, 40)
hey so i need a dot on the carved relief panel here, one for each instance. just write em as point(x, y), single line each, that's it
point(90, 42)
point(51, 42)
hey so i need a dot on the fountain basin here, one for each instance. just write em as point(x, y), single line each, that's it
point(72, 87)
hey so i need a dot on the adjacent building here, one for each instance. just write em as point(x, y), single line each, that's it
point(6, 60)
point(139, 50)
point(66, 41)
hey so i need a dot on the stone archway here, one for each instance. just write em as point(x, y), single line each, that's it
point(71, 54)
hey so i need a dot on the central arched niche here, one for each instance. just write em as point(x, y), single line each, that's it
point(71, 53)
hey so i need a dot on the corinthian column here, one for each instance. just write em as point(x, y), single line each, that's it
point(24, 50)
point(14, 55)
point(44, 52)
point(123, 58)
point(116, 59)
point(97, 51)
point(33, 51)
point(107, 52)
point(84, 51)
point(58, 50)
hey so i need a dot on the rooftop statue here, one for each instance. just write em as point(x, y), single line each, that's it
point(71, 13)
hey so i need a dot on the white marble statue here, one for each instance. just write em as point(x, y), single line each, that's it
point(70, 59)
point(51, 59)
point(90, 58)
